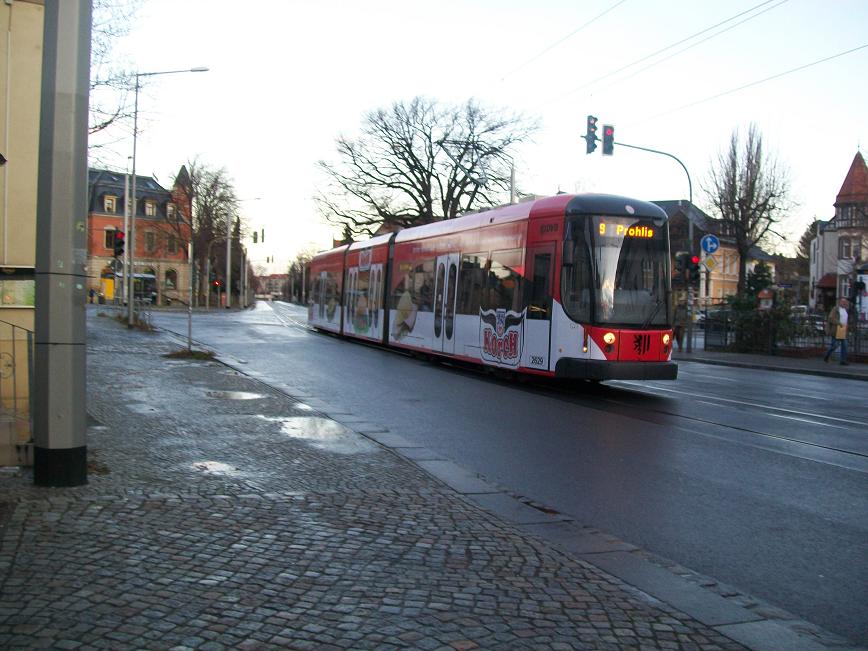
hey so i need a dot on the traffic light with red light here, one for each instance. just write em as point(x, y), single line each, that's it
point(119, 243)
point(694, 269)
point(608, 139)
point(591, 135)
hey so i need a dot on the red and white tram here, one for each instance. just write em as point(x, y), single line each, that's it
point(571, 286)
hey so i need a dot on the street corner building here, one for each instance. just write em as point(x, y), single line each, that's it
point(160, 265)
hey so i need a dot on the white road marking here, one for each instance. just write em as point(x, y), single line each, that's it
point(749, 404)
point(806, 420)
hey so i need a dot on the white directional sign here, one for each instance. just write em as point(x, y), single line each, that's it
point(709, 243)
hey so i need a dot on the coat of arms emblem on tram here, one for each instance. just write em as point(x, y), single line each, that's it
point(501, 334)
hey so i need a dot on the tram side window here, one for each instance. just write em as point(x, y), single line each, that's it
point(416, 280)
point(503, 281)
point(471, 281)
point(423, 284)
point(576, 279)
point(538, 288)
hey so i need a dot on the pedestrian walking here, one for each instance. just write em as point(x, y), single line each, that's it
point(837, 329)
point(680, 322)
point(92, 293)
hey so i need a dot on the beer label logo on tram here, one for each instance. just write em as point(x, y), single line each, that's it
point(501, 334)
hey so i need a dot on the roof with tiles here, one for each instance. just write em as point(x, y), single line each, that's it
point(855, 188)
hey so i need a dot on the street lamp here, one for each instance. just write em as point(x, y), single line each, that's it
point(131, 236)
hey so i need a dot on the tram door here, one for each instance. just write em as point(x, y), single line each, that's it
point(445, 290)
point(376, 298)
point(351, 298)
point(538, 302)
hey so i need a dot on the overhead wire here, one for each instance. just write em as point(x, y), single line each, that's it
point(753, 83)
point(556, 43)
point(660, 51)
point(693, 45)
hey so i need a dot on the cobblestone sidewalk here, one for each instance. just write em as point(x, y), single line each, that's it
point(223, 514)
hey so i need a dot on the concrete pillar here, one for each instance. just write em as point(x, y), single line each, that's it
point(60, 450)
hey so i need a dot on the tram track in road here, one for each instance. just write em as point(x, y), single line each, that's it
point(612, 394)
point(713, 428)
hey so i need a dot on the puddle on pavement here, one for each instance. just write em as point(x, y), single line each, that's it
point(324, 434)
point(234, 395)
point(215, 467)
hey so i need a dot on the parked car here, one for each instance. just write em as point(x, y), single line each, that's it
point(713, 313)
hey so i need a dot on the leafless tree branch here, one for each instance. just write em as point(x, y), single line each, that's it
point(419, 162)
point(750, 193)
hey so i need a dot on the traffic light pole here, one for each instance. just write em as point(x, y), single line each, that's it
point(690, 296)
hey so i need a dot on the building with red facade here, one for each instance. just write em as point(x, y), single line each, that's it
point(162, 232)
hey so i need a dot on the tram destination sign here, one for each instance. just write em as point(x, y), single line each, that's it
point(622, 230)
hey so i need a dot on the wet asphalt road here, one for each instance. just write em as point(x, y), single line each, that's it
point(755, 478)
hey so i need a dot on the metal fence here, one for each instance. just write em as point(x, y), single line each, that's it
point(16, 390)
point(141, 311)
point(802, 335)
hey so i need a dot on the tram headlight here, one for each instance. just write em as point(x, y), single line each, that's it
point(609, 338)
point(666, 339)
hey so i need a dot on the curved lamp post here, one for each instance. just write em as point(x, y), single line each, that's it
point(131, 236)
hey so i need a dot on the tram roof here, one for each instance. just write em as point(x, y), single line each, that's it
point(470, 221)
point(374, 241)
point(327, 254)
point(561, 204)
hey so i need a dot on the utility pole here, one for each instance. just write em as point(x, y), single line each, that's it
point(690, 297)
point(228, 261)
point(59, 423)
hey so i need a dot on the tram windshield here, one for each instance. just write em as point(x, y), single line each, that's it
point(616, 271)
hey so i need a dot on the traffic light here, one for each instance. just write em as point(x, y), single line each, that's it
point(608, 139)
point(119, 244)
point(681, 263)
point(694, 268)
point(591, 135)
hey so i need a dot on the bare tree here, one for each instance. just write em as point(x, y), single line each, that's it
point(110, 84)
point(420, 162)
point(211, 195)
point(750, 193)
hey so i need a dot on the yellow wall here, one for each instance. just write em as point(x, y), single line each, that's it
point(20, 85)
point(20, 82)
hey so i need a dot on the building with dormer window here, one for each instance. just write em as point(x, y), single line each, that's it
point(162, 233)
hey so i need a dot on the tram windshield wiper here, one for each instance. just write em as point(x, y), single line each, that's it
point(654, 311)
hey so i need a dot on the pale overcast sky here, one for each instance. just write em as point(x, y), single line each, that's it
point(287, 76)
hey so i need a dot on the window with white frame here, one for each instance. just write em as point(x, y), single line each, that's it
point(150, 209)
point(150, 241)
point(170, 211)
point(844, 286)
point(845, 251)
point(171, 279)
point(110, 239)
point(110, 203)
point(171, 243)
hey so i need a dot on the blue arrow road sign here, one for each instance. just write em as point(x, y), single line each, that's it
point(709, 243)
